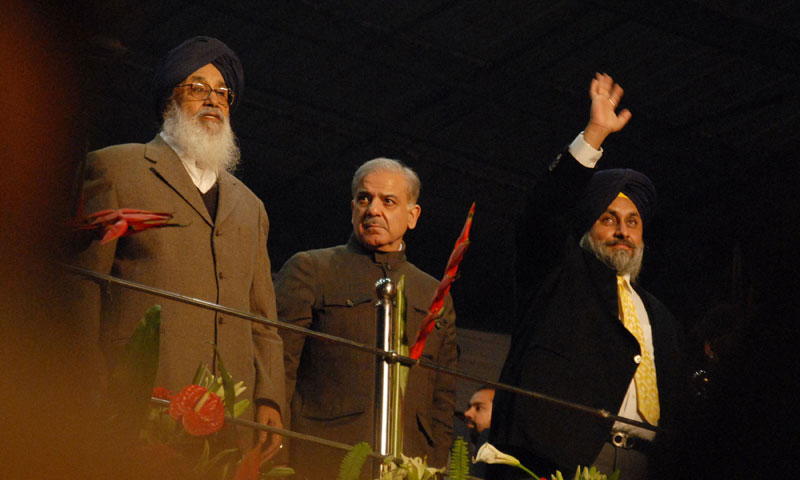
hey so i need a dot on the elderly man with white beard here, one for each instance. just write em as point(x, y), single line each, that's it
point(218, 250)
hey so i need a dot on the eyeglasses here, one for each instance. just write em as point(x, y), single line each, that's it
point(201, 91)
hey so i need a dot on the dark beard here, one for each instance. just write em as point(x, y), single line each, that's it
point(620, 261)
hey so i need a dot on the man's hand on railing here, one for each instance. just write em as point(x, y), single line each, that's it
point(270, 443)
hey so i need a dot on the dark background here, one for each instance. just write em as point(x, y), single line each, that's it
point(476, 96)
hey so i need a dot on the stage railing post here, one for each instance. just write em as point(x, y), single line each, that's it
point(388, 417)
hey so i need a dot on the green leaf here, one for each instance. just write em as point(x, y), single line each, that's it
point(279, 472)
point(459, 460)
point(578, 473)
point(202, 463)
point(227, 384)
point(132, 381)
point(350, 468)
point(400, 326)
point(220, 455)
point(202, 375)
point(614, 476)
point(240, 407)
point(413, 474)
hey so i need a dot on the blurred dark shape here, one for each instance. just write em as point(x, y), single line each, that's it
point(715, 340)
point(740, 419)
point(53, 422)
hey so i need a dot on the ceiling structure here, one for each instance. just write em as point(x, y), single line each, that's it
point(477, 96)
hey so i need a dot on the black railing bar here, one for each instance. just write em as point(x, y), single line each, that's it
point(530, 393)
point(226, 310)
point(280, 431)
point(389, 356)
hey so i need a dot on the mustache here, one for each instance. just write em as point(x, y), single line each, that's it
point(620, 241)
point(217, 112)
point(373, 221)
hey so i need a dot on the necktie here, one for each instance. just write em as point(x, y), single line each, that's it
point(645, 376)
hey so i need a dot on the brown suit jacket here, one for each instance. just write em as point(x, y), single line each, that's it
point(332, 387)
point(222, 260)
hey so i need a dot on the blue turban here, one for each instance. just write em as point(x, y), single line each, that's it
point(189, 56)
point(604, 187)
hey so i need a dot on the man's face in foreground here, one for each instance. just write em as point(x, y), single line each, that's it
point(616, 237)
point(211, 110)
point(381, 211)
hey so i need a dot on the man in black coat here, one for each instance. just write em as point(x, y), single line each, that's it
point(589, 335)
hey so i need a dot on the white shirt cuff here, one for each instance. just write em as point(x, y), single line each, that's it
point(584, 153)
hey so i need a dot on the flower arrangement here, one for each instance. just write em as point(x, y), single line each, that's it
point(410, 468)
point(189, 427)
point(190, 435)
point(488, 453)
point(197, 410)
point(403, 467)
point(588, 474)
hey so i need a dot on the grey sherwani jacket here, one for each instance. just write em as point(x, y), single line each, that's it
point(332, 387)
point(222, 260)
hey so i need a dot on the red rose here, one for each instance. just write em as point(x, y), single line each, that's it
point(200, 411)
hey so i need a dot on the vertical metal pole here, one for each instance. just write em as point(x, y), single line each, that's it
point(398, 372)
point(386, 292)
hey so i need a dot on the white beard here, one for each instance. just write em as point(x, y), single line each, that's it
point(619, 260)
point(210, 144)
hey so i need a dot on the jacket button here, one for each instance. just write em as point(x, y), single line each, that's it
point(220, 275)
point(637, 359)
point(218, 233)
point(555, 163)
point(349, 303)
point(220, 320)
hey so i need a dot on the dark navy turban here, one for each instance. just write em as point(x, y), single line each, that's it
point(191, 55)
point(604, 187)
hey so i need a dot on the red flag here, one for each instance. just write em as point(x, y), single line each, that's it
point(444, 287)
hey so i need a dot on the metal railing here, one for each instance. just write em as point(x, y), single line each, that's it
point(390, 356)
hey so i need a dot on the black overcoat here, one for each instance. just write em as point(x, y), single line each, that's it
point(570, 343)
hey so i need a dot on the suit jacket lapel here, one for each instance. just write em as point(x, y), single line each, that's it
point(169, 168)
point(229, 195)
point(605, 281)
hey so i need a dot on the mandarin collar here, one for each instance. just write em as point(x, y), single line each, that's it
point(387, 258)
